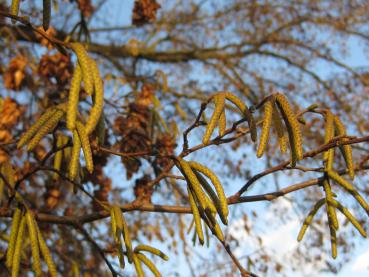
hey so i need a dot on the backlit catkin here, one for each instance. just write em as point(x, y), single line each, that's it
point(152, 250)
point(86, 147)
point(246, 112)
point(293, 128)
point(73, 98)
point(45, 129)
point(84, 62)
point(330, 208)
point(98, 104)
point(346, 150)
point(328, 155)
point(267, 123)
point(18, 247)
point(13, 237)
point(309, 218)
point(217, 185)
point(219, 101)
point(32, 231)
point(149, 264)
point(74, 160)
point(350, 188)
point(350, 217)
point(278, 126)
point(27, 136)
point(196, 216)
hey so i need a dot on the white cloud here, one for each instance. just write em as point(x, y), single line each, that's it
point(361, 264)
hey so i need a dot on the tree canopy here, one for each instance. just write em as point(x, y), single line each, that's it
point(157, 137)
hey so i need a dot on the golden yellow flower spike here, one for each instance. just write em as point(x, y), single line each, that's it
point(328, 155)
point(84, 62)
point(346, 150)
point(73, 98)
point(13, 237)
point(18, 247)
point(45, 129)
point(330, 208)
point(98, 99)
point(293, 128)
point(219, 101)
point(350, 189)
point(309, 218)
point(196, 216)
point(85, 142)
point(278, 126)
point(32, 231)
point(350, 217)
point(267, 123)
point(246, 112)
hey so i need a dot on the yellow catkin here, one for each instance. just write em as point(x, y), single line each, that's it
point(97, 108)
point(117, 237)
point(293, 128)
point(46, 14)
point(14, 9)
point(196, 216)
point(350, 217)
point(222, 123)
point(127, 241)
point(217, 185)
point(218, 232)
point(333, 241)
point(138, 266)
point(309, 218)
point(329, 200)
point(84, 62)
point(13, 237)
point(46, 254)
point(149, 264)
point(328, 155)
point(75, 269)
point(8, 172)
point(152, 250)
point(123, 229)
point(193, 182)
point(73, 98)
point(278, 126)
point(346, 150)
point(27, 136)
point(246, 112)
point(32, 231)
point(45, 129)
point(113, 223)
point(18, 247)
point(209, 190)
point(74, 160)
point(58, 157)
point(219, 101)
point(86, 147)
point(267, 123)
point(350, 188)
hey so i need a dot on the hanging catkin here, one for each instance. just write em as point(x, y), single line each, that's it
point(73, 98)
point(98, 97)
point(346, 150)
point(293, 128)
point(267, 123)
point(219, 101)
